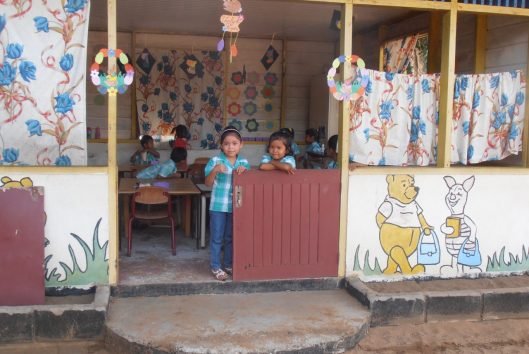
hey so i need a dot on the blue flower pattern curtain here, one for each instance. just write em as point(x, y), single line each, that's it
point(179, 87)
point(42, 82)
point(395, 122)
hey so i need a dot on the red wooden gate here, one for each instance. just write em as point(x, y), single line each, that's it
point(22, 246)
point(286, 226)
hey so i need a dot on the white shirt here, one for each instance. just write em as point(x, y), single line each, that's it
point(397, 213)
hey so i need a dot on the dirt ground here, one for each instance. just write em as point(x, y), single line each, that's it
point(499, 336)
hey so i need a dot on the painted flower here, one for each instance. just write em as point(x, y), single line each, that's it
point(268, 107)
point(159, 66)
point(173, 96)
point(466, 127)
point(74, 5)
point(520, 97)
point(385, 110)
point(145, 126)
point(213, 102)
point(66, 62)
point(422, 127)
point(10, 155)
point(34, 127)
point(41, 24)
point(425, 86)
point(504, 99)
point(218, 127)
point(27, 70)
point(2, 22)
point(250, 92)
point(270, 78)
point(165, 106)
point(252, 125)
point(188, 88)
point(64, 103)
point(237, 78)
point(369, 87)
point(7, 74)
point(250, 108)
point(63, 160)
point(14, 50)
point(200, 121)
point(144, 107)
point(188, 107)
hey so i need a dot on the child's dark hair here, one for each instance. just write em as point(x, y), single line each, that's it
point(288, 131)
point(230, 130)
point(313, 133)
point(178, 154)
point(333, 142)
point(181, 131)
point(285, 138)
point(145, 140)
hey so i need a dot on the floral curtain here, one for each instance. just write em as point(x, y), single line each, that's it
point(488, 116)
point(395, 122)
point(178, 87)
point(42, 82)
point(406, 55)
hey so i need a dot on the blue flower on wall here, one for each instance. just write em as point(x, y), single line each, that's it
point(14, 50)
point(145, 107)
point(34, 127)
point(10, 155)
point(218, 127)
point(204, 96)
point(188, 107)
point(66, 62)
point(146, 127)
point(2, 22)
point(41, 24)
point(145, 79)
point(213, 102)
point(63, 160)
point(7, 74)
point(200, 121)
point(28, 70)
point(157, 91)
point(218, 80)
point(173, 96)
point(74, 5)
point(203, 143)
point(64, 103)
point(188, 88)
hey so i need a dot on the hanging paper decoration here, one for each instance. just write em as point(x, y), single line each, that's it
point(250, 108)
point(253, 78)
point(234, 93)
point(270, 78)
point(237, 78)
point(231, 24)
point(250, 92)
point(237, 124)
point(350, 89)
point(252, 125)
point(111, 82)
point(268, 107)
point(268, 92)
point(234, 109)
point(145, 61)
point(269, 58)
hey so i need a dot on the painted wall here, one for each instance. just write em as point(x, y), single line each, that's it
point(387, 218)
point(76, 230)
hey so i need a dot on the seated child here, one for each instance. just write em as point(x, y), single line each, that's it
point(296, 152)
point(147, 154)
point(166, 168)
point(181, 136)
point(279, 154)
point(314, 149)
point(331, 153)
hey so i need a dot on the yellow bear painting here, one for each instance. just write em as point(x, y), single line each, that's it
point(400, 220)
point(7, 182)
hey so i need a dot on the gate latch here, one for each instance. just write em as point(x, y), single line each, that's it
point(238, 196)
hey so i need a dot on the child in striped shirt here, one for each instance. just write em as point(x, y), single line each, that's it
point(219, 172)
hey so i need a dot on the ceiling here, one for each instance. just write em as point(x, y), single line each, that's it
point(262, 18)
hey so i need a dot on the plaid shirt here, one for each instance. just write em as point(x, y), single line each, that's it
point(315, 148)
point(287, 159)
point(222, 191)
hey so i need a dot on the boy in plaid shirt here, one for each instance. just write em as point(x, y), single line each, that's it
point(219, 173)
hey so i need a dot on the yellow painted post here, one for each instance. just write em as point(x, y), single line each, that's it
point(525, 138)
point(113, 233)
point(481, 44)
point(444, 147)
point(434, 41)
point(346, 47)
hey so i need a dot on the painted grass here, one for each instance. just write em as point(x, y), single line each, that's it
point(366, 268)
point(497, 263)
point(96, 264)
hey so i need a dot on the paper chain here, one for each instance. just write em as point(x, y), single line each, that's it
point(348, 91)
point(111, 83)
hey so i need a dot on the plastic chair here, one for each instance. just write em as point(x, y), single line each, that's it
point(151, 196)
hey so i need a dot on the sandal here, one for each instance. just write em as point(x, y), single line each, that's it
point(219, 274)
point(229, 270)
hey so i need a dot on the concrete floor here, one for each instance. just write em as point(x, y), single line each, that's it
point(152, 262)
point(83, 347)
point(238, 323)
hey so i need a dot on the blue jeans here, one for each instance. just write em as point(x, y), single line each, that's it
point(221, 229)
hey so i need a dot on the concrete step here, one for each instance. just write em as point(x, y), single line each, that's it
point(421, 301)
point(308, 321)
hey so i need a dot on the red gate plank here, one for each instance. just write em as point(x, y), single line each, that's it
point(294, 225)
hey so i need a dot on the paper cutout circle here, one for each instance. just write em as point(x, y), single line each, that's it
point(250, 108)
point(347, 90)
point(234, 93)
point(111, 83)
point(234, 109)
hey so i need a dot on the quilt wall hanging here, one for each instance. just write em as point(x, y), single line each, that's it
point(395, 122)
point(253, 96)
point(42, 82)
point(407, 55)
point(180, 87)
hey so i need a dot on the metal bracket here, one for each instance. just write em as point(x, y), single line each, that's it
point(238, 196)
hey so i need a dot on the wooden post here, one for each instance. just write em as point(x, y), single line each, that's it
point(134, 108)
point(444, 147)
point(346, 44)
point(382, 36)
point(525, 138)
point(481, 44)
point(113, 232)
point(434, 41)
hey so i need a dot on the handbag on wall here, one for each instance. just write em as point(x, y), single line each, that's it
point(428, 251)
point(469, 256)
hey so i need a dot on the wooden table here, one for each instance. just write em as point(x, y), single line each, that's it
point(177, 187)
point(130, 170)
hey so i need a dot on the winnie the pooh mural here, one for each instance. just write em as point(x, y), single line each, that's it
point(400, 220)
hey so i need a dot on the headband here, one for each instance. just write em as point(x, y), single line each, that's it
point(231, 130)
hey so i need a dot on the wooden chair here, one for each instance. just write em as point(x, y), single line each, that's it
point(151, 196)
